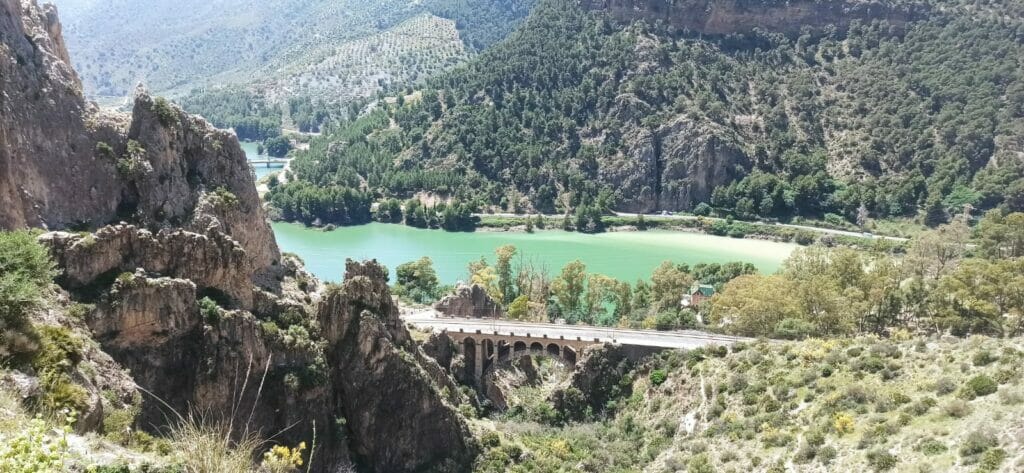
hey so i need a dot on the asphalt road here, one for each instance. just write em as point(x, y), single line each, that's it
point(692, 217)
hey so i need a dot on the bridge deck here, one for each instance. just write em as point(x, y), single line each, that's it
point(645, 338)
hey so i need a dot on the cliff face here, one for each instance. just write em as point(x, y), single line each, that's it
point(185, 285)
point(721, 17)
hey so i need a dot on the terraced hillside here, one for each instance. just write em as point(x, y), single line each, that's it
point(175, 46)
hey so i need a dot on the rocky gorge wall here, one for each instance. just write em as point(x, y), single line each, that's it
point(162, 243)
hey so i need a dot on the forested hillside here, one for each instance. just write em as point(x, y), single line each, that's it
point(903, 109)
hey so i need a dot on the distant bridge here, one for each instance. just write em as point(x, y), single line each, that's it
point(488, 342)
point(269, 161)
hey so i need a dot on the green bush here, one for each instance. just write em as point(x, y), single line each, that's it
point(25, 273)
point(881, 460)
point(658, 377)
point(991, 460)
point(983, 358)
point(981, 385)
point(931, 447)
point(210, 311)
point(165, 112)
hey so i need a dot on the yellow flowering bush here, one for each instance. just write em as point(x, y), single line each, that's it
point(844, 423)
point(281, 459)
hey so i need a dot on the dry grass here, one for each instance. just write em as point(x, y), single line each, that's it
point(207, 447)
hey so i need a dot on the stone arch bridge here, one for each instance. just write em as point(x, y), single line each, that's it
point(488, 343)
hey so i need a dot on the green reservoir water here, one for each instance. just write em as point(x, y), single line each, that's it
point(250, 148)
point(625, 256)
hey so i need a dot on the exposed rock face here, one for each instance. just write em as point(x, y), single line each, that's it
point(600, 376)
point(409, 428)
point(215, 262)
point(469, 301)
point(64, 163)
point(674, 166)
point(721, 17)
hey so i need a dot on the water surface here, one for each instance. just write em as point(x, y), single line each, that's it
point(250, 148)
point(623, 255)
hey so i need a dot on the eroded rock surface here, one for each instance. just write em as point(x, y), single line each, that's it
point(470, 301)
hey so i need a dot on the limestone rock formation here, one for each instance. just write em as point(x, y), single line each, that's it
point(722, 17)
point(410, 427)
point(671, 167)
point(470, 301)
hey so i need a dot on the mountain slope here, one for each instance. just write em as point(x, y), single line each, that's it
point(180, 45)
point(890, 109)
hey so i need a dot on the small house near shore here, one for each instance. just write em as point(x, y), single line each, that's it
point(697, 294)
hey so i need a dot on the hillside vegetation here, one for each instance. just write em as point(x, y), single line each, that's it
point(578, 109)
point(324, 52)
point(865, 404)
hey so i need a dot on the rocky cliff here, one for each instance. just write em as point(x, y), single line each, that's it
point(160, 237)
point(721, 17)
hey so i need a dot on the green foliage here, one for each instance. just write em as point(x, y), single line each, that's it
point(278, 146)
point(165, 112)
point(58, 357)
point(34, 450)
point(657, 377)
point(26, 272)
point(302, 202)
point(417, 281)
point(980, 385)
point(225, 199)
point(251, 115)
point(210, 311)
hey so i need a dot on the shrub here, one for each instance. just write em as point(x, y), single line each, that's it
point(658, 377)
point(931, 447)
point(33, 450)
point(25, 272)
point(700, 463)
point(991, 460)
point(983, 358)
point(826, 454)
point(225, 199)
point(981, 385)
point(165, 112)
point(490, 439)
point(944, 386)
point(978, 442)
point(210, 311)
point(957, 408)
point(881, 460)
point(843, 423)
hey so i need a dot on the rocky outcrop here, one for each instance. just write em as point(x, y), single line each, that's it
point(215, 263)
point(723, 17)
point(410, 428)
point(674, 166)
point(471, 301)
point(66, 164)
point(600, 376)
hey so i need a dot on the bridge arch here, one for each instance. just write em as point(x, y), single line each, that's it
point(536, 347)
point(554, 350)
